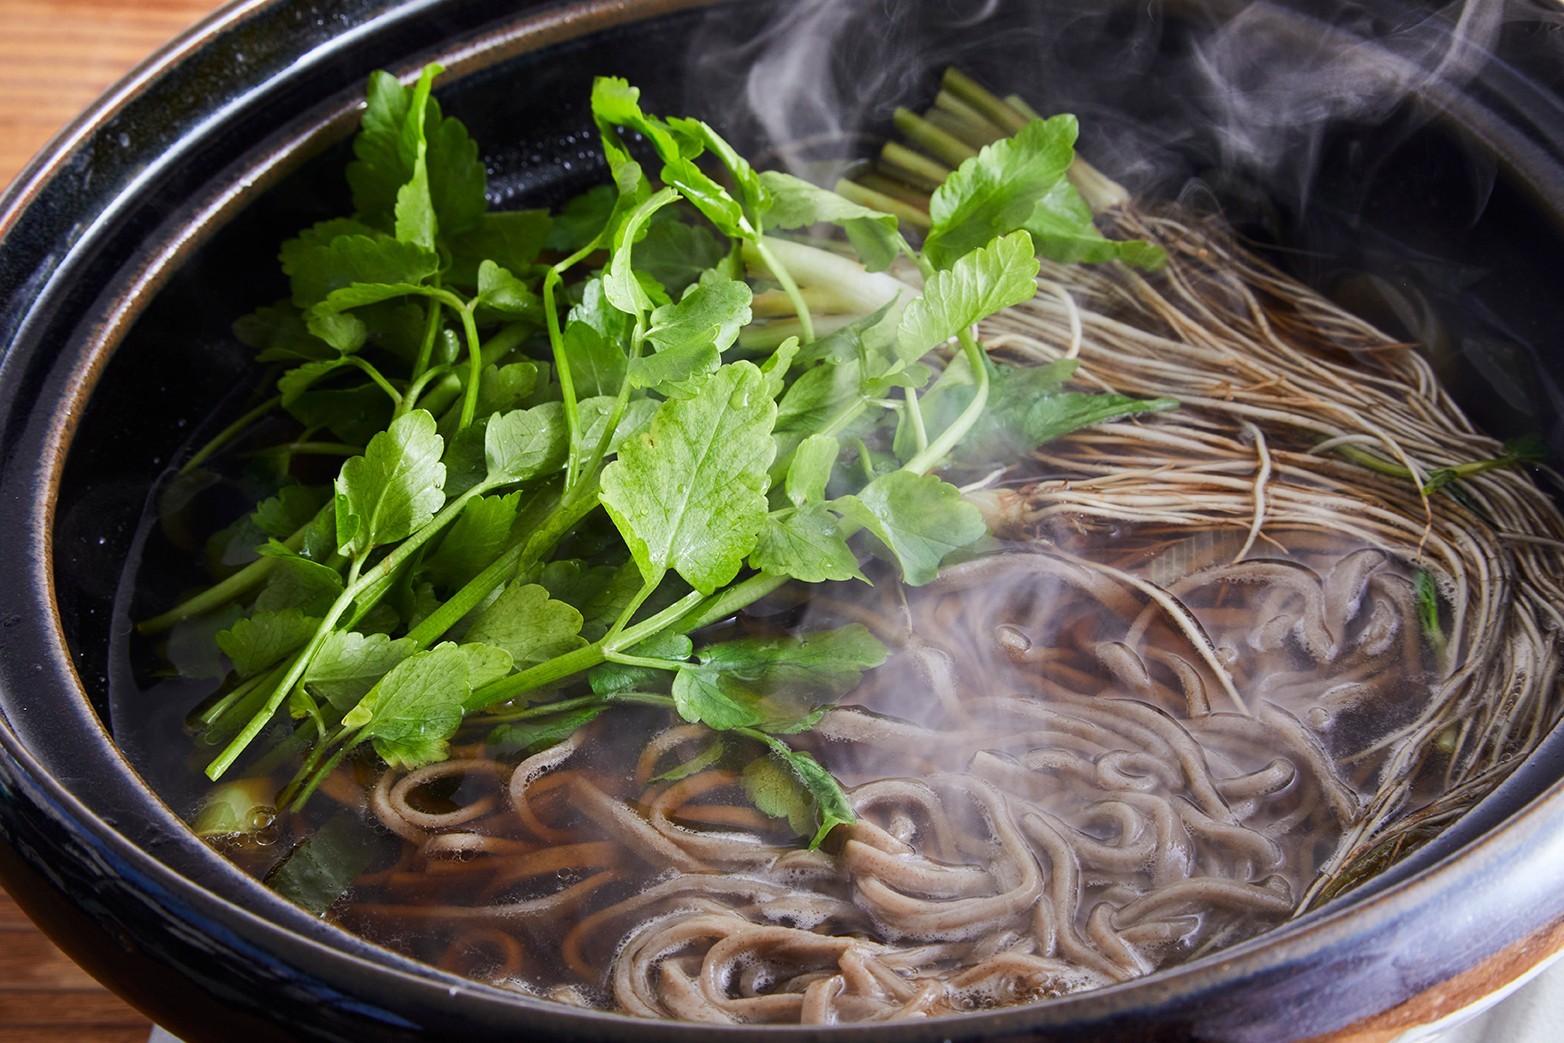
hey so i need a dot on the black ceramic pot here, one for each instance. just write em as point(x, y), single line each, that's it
point(1412, 140)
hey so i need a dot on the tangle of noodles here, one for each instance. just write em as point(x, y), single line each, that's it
point(1200, 691)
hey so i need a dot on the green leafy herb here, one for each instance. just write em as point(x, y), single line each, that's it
point(392, 490)
point(689, 494)
point(920, 519)
point(572, 441)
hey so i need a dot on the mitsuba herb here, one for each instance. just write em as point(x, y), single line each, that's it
point(575, 440)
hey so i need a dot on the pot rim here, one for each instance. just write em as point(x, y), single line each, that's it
point(1523, 839)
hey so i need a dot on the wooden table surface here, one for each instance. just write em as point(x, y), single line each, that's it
point(56, 56)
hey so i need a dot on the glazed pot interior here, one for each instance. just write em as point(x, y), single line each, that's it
point(1444, 181)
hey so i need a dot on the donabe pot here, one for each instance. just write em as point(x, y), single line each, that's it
point(1396, 138)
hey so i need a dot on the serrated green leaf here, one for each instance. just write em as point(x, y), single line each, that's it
point(831, 805)
point(290, 509)
point(525, 443)
point(810, 469)
point(318, 267)
point(689, 337)
point(414, 209)
point(344, 333)
point(499, 290)
point(920, 519)
point(358, 295)
point(1062, 229)
point(595, 310)
point(772, 682)
point(595, 412)
point(775, 369)
point(976, 285)
point(573, 581)
point(511, 239)
point(458, 182)
point(806, 544)
point(713, 450)
point(263, 639)
point(353, 414)
point(385, 152)
point(817, 395)
point(278, 334)
point(818, 665)
point(616, 104)
point(478, 536)
point(349, 664)
point(796, 203)
point(753, 196)
point(1026, 409)
point(293, 384)
point(582, 219)
point(485, 663)
point(394, 488)
point(297, 582)
point(603, 603)
point(1058, 415)
point(701, 698)
point(377, 171)
point(622, 284)
point(776, 790)
point(413, 711)
point(528, 624)
point(707, 196)
point(598, 365)
point(532, 736)
point(465, 463)
point(504, 388)
point(995, 192)
point(677, 254)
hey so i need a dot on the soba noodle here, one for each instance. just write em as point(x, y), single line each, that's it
point(1217, 665)
point(1198, 693)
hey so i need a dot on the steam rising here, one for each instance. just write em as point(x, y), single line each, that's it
point(1254, 88)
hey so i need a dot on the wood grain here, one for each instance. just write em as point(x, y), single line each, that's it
point(56, 56)
point(45, 998)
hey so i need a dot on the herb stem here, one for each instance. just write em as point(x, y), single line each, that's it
point(625, 659)
point(556, 669)
point(308, 449)
point(547, 709)
point(225, 590)
point(377, 579)
point(224, 760)
point(426, 346)
point(223, 437)
point(416, 388)
point(581, 659)
point(920, 434)
point(948, 439)
point(632, 636)
point(647, 589)
point(942, 145)
point(552, 279)
point(376, 376)
point(784, 279)
point(868, 197)
point(213, 715)
point(523, 555)
point(474, 367)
